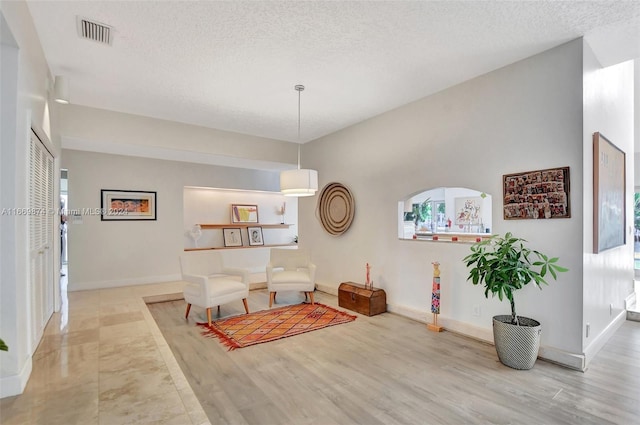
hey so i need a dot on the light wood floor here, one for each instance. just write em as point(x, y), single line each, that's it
point(390, 370)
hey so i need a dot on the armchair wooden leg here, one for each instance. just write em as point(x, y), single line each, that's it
point(186, 315)
point(218, 310)
point(272, 298)
point(311, 297)
point(246, 306)
point(209, 315)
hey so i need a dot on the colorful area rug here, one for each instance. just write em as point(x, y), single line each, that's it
point(270, 325)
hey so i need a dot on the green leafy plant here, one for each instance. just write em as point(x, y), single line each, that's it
point(3, 346)
point(636, 210)
point(503, 264)
point(421, 211)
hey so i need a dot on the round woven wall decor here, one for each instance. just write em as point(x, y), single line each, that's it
point(336, 208)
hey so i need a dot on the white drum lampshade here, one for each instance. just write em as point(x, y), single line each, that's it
point(299, 182)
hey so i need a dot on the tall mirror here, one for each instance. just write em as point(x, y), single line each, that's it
point(444, 210)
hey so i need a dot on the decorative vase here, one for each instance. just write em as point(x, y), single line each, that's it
point(196, 233)
point(517, 345)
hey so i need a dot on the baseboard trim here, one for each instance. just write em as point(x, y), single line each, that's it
point(331, 290)
point(15, 384)
point(257, 285)
point(630, 302)
point(451, 325)
point(563, 358)
point(482, 334)
point(634, 316)
point(599, 341)
point(410, 313)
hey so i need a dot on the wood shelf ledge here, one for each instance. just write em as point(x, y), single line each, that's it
point(245, 225)
point(240, 247)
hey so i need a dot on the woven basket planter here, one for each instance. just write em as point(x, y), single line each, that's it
point(517, 346)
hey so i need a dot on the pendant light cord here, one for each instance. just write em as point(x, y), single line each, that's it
point(299, 88)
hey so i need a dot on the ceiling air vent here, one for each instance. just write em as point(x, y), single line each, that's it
point(95, 31)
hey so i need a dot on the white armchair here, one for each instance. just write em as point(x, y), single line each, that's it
point(290, 270)
point(210, 283)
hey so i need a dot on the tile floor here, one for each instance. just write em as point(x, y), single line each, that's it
point(79, 367)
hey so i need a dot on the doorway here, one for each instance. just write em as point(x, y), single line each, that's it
point(636, 246)
point(64, 207)
point(41, 235)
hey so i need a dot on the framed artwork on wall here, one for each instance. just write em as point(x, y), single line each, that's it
point(232, 236)
point(609, 187)
point(539, 194)
point(244, 213)
point(122, 205)
point(255, 236)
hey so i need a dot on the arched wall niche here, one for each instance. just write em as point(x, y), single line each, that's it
point(445, 210)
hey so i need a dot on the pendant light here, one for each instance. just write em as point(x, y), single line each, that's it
point(299, 182)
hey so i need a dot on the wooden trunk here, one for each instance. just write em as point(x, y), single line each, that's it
point(356, 297)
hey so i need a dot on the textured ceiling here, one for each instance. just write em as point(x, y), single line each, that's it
point(232, 65)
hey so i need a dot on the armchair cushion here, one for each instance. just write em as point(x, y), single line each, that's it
point(218, 286)
point(291, 276)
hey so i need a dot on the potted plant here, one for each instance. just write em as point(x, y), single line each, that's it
point(418, 213)
point(3, 346)
point(503, 265)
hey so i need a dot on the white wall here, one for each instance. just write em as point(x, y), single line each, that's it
point(608, 276)
point(522, 117)
point(25, 76)
point(99, 130)
point(114, 253)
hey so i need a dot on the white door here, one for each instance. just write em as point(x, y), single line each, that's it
point(41, 234)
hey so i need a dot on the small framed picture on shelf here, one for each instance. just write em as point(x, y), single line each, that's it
point(232, 236)
point(255, 236)
point(244, 213)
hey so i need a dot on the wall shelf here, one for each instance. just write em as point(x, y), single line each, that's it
point(464, 238)
point(245, 225)
point(211, 209)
